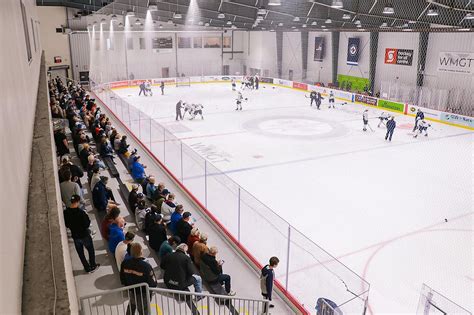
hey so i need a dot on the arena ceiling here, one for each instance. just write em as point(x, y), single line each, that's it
point(379, 15)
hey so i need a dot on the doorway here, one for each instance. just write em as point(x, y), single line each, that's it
point(165, 72)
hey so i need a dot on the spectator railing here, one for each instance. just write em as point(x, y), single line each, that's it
point(306, 270)
point(432, 302)
point(158, 301)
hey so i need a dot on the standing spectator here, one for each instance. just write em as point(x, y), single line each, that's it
point(136, 271)
point(391, 125)
point(200, 248)
point(211, 270)
point(167, 207)
point(266, 279)
point(122, 251)
point(116, 234)
point(167, 247)
point(133, 198)
point(157, 233)
point(184, 227)
point(193, 238)
point(78, 222)
point(69, 189)
point(175, 217)
point(109, 218)
point(60, 139)
point(179, 271)
point(138, 170)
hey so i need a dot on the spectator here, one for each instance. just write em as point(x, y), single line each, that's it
point(150, 218)
point(122, 251)
point(136, 271)
point(175, 217)
point(106, 149)
point(140, 213)
point(193, 238)
point(167, 207)
point(159, 192)
point(95, 177)
point(109, 218)
point(101, 196)
point(168, 246)
point(138, 170)
point(84, 156)
point(200, 248)
point(133, 198)
point(116, 234)
point(150, 187)
point(116, 142)
point(266, 279)
point(179, 271)
point(76, 171)
point(184, 227)
point(211, 270)
point(62, 146)
point(157, 233)
point(123, 147)
point(131, 159)
point(78, 222)
point(69, 189)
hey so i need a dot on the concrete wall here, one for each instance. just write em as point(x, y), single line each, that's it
point(54, 44)
point(19, 90)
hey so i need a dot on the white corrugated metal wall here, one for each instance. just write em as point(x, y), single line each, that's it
point(80, 53)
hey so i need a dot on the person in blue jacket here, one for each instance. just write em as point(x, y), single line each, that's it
point(138, 170)
point(116, 234)
point(175, 217)
point(391, 124)
point(419, 117)
point(100, 194)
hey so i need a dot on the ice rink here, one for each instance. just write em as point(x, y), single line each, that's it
point(380, 207)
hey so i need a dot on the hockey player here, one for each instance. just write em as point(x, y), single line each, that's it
point(251, 82)
point(331, 99)
point(419, 117)
point(383, 118)
point(239, 101)
point(257, 82)
point(179, 105)
point(365, 119)
point(187, 109)
point(233, 84)
point(313, 95)
point(196, 110)
point(142, 89)
point(422, 126)
point(391, 124)
point(319, 98)
point(162, 87)
point(148, 88)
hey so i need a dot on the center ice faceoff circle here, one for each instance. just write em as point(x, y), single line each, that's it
point(295, 127)
point(299, 127)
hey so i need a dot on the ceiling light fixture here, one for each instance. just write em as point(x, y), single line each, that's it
point(206, 24)
point(384, 24)
point(130, 13)
point(314, 23)
point(137, 22)
point(274, 2)
point(328, 21)
point(346, 16)
point(337, 4)
point(388, 9)
point(357, 22)
point(261, 11)
point(113, 18)
point(432, 12)
point(280, 24)
point(296, 19)
point(469, 16)
point(229, 22)
point(304, 25)
point(177, 16)
point(221, 16)
point(153, 7)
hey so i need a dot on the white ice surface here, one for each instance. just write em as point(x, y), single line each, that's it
point(378, 206)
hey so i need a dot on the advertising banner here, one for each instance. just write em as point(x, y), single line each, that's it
point(118, 84)
point(356, 83)
point(364, 99)
point(266, 80)
point(318, 49)
point(458, 120)
point(165, 80)
point(456, 62)
point(300, 86)
point(353, 51)
point(283, 82)
point(316, 88)
point(343, 95)
point(399, 107)
point(399, 56)
point(429, 113)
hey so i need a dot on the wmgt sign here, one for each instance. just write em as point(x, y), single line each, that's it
point(456, 62)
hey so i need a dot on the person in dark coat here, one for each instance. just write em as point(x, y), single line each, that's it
point(60, 139)
point(313, 95)
point(133, 198)
point(257, 81)
point(180, 272)
point(76, 171)
point(391, 124)
point(179, 105)
point(157, 233)
point(184, 227)
point(123, 147)
point(267, 277)
point(137, 270)
point(319, 99)
point(211, 270)
point(100, 194)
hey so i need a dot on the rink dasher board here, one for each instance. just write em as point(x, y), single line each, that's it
point(461, 121)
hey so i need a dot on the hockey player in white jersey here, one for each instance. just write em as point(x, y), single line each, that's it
point(365, 119)
point(148, 88)
point(422, 126)
point(187, 108)
point(331, 99)
point(239, 100)
point(383, 118)
point(196, 110)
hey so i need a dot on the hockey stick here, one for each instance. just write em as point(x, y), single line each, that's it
point(370, 127)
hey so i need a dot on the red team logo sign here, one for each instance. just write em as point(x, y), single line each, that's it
point(391, 56)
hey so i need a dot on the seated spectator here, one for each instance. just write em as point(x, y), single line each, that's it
point(94, 174)
point(133, 198)
point(159, 192)
point(150, 217)
point(109, 218)
point(106, 149)
point(62, 146)
point(168, 246)
point(140, 213)
point(69, 189)
point(175, 217)
point(193, 238)
point(179, 271)
point(84, 155)
point(122, 251)
point(157, 233)
point(150, 187)
point(160, 197)
point(101, 195)
point(137, 270)
point(211, 270)
point(167, 208)
point(200, 248)
point(138, 170)
point(78, 222)
point(116, 143)
point(131, 159)
point(116, 234)
point(184, 226)
point(123, 147)
point(76, 171)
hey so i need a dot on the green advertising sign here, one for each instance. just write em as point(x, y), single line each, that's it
point(357, 84)
point(399, 107)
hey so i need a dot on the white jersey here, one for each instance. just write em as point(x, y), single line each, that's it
point(197, 107)
point(331, 96)
point(423, 124)
point(148, 85)
point(365, 116)
point(187, 107)
point(384, 115)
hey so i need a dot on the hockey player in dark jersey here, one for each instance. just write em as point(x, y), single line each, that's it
point(313, 95)
point(319, 98)
point(419, 117)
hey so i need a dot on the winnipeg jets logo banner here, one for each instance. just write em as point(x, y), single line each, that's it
point(353, 51)
point(318, 49)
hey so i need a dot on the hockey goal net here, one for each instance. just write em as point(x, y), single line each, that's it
point(183, 81)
